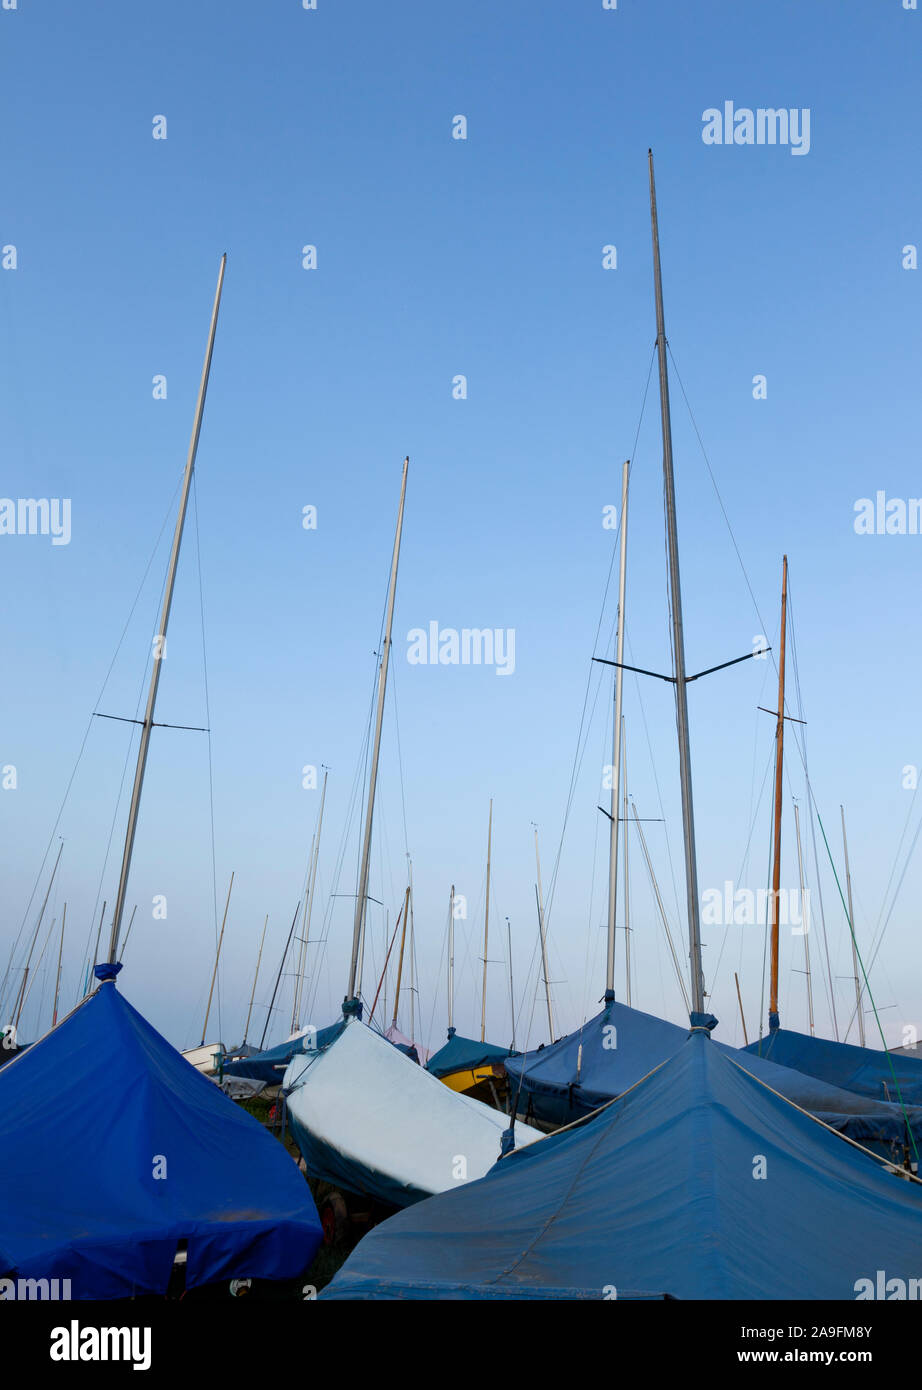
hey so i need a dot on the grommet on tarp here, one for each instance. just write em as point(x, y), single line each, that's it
point(507, 1142)
point(352, 1008)
point(707, 1021)
point(108, 970)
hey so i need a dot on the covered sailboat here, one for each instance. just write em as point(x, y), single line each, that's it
point(688, 1184)
point(368, 1119)
point(864, 1070)
point(620, 1045)
point(465, 1063)
point(686, 1187)
point(364, 1115)
point(126, 1152)
point(147, 1156)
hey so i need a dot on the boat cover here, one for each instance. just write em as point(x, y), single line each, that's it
point(115, 1149)
point(861, 1069)
point(464, 1054)
point(368, 1119)
point(699, 1183)
point(270, 1066)
point(620, 1045)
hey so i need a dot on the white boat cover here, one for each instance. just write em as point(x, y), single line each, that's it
point(205, 1057)
point(368, 1118)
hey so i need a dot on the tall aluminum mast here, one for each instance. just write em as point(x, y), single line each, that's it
point(160, 641)
point(678, 639)
point(358, 926)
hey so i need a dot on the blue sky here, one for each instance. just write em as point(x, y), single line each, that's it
point(439, 257)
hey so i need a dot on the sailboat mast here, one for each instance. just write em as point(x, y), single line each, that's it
point(511, 987)
point(486, 930)
point(539, 891)
point(740, 1002)
point(295, 1004)
point(451, 956)
point(403, 942)
point(804, 917)
point(214, 973)
point(278, 978)
point(773, 1020)
point(627, 905)
point(358, 926)
point(306, 923)
point(160, 640)
point(20, 999)
point(128, 932)
point(259, 956)
point(57, 978)
point(851, 922)
point(616, 751)
point(678, 638)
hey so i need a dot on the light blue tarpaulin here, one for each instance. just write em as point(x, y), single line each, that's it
point(114, 1149)
point(620, 1045)
point(864, 1070)
point(465, 1054)
point(699, 1183)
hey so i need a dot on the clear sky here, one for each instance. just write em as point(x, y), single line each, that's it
point(437, 258)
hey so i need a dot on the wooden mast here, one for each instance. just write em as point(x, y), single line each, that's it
point(486, 930)
point(742, 1015)
point(773, 1019)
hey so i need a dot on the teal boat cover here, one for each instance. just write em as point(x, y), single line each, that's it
point(115, 1149)
point(464, 1054)
point(699, 1183)
point(614, 1050)
point(868, 1072)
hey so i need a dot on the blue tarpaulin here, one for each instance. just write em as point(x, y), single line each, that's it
point(583, 1070)
point(864, 1070)
point(115, 1149)
point(699, 1183)
point(270, 1066)
point(464, 1054)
